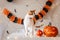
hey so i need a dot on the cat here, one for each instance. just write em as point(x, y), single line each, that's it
point(29, 23)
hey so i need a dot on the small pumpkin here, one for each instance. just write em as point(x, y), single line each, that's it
point(50, 31)
point(39, 33)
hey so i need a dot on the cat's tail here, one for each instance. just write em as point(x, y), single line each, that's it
point(12, 17)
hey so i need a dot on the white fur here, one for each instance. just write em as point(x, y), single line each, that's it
point(29, 25)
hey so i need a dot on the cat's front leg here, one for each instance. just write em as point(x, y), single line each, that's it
point(31, 33)
point(26, 31)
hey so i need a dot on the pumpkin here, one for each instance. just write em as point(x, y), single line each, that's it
point(39, 33)
point(50, 31)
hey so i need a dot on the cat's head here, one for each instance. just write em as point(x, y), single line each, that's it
point(31, 12)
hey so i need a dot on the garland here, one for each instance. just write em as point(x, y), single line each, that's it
point(40, 14)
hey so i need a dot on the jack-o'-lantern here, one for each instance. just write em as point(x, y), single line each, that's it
point(50, 31)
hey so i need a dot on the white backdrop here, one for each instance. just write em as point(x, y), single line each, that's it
point(22, 9)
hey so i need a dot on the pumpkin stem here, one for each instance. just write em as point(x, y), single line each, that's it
point(49, 24)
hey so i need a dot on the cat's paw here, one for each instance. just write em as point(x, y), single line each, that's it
point(31, 36)
point(26, 35)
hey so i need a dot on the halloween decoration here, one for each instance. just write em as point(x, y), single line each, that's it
point(39, 33)
point(50, 31)
point(40, 14)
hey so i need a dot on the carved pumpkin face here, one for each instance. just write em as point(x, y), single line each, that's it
point(50, 31)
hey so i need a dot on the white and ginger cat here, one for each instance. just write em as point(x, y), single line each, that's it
point(29, 23)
